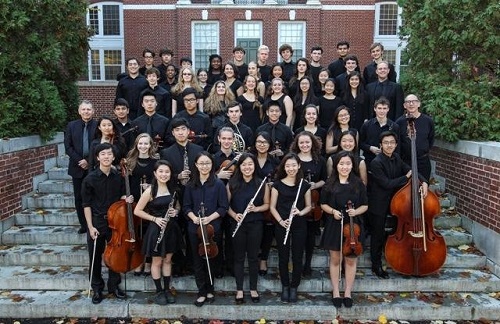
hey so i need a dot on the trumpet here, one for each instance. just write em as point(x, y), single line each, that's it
point(167, 218)
point(246, 209)
point(290, 217)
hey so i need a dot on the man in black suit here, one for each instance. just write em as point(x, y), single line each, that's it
point(384, 87)
point(77, 138)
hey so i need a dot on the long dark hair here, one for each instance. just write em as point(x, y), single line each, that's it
point(315, 148)
point(170, 183)
point(335, 122)
point(280, 170)
point(360, 91)
point(297, 100)
point(332, 184)
point(195, 179)
point(236, 181)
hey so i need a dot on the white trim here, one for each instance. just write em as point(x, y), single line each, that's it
point(149, 7)
point(269, 6)
point(348, 7)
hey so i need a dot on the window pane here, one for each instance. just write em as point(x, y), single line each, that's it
point(388, 19)
point(247, 30)
point(205, 42)
point(112, 63)
point(95, 65)
point(390, 56)
point(94, 19)
point(293, 34)
point(111, 19)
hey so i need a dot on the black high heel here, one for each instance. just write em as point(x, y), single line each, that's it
point(337, 302)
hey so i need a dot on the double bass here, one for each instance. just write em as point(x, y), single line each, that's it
point(123, 251)
point(415, 248)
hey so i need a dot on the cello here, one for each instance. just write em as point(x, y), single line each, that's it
point(415, 248)
point(123, 251)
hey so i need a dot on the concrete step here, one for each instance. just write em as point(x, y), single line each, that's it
point(59, 173)
point(55, 186)
point(408, 306)
point(48, 217)
point(59, 235)
point(63, 161)
point(50, 200)
point(77, 255)
point(73, 278)
point(456, 236)
point(447, 221)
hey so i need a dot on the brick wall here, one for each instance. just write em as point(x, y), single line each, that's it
point(475, 181)
point(101, 94)
point(17, 170)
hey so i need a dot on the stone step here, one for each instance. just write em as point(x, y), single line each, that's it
point(77, 255)
point(63, 161)
point(73, 278)
point(59, 173)
point(50, 200)
point(48, 217)
point(408, 306)
point(60, 235)
point(447, 221)
point(456, 236)
point(55, 186)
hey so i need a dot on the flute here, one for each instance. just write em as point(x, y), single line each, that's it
point(290, 217)
point(166, 217)
point(246, 209)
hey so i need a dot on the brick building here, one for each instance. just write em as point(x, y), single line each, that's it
point(198, 28)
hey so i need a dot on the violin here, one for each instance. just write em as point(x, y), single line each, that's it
point(315, 207)
point(352, 246)
point(207, 248)
point(229, 165)
point(415, 248)
point(123, 251)
point(192, 135)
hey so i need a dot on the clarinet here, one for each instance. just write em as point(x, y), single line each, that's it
point(290, 217)
point(246, 209)
point(185, 167)
point(166, 217)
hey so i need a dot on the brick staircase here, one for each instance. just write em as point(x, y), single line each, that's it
point(44, 267)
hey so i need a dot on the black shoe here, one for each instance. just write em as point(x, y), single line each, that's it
point(97, 297)
point(138, 273)
point(293, 295)
point(119, 294)
point(379, 272)
point(198, 303)
point(160, 298)
point(82, 230)
point(307, 272)
point(255, 299)
point(146, 273)
point(337, 301)
point(239, 301)
point(169, 297)
point(285, 294)
point(262, 272)
point(347, 302)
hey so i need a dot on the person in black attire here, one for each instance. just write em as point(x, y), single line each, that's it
point(337, 67)
point(356, 98)
point(131, 86)
point(234, 122)
point(163, 99)
point(239, 60)
point(372, 128)
point(151, 122)
point(107, 132)
point(205, 201)
point(369, 72)
point(166, 56)
point(315, 54)
point(79, 133)
point(281, 135)
point(384, 87)
point(215, 71)
point(242, 187)
point(149, 59)
point(200, 124)
point(424, 127)
point(171, 77)
point(351, 63)
point(100, 189)
point(123, 123)
point(264, 68)
point(286, 53)
point(388, 174)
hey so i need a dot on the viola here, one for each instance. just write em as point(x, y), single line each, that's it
point(415, 248)
point(352, 246)
point(316, 212)
point(192, 135)
point(207, 248)
point(229, 165)
point(123, 251)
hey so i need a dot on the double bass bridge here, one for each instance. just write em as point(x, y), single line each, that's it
point(418, 234)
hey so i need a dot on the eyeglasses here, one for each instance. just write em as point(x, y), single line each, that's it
point(411, 101)
point(190, 100)
point(262, 142)
point(389, 142)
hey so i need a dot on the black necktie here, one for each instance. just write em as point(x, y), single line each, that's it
point(85, 146)
point(149, 128)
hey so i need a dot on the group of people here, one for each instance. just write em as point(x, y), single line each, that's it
point(220, 175)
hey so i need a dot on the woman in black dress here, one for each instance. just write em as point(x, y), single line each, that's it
point(340, 189)
point(242, 187)
point(340, 123)
point(156, 206)
point(251, 103)
point(107, 132)
point(288, 188)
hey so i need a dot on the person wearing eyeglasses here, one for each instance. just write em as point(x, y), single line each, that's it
point(149, 60)
point(424, 131)
point(389, 174)
point(187, 79)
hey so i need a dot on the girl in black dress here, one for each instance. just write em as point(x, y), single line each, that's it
point(356, 98)
point(107, 132)
point(348, 142)
point(328, 103)
point(310, 122)
point(155, 205)
point(340, 123)
point(305, 96)
point(343, 186)
point(242, 187)
point(251, 103)
point(284, 192)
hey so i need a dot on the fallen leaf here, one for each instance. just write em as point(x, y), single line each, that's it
point(464, 274)
point(464, 247)
point(434, 305)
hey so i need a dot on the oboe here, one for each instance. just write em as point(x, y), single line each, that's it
point(167, 218)
point(246, 209)
point(290, 217)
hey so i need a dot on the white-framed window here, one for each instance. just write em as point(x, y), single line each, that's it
point(107, 45)
point(294, 34)
point(248, 34)
point(387, 24)
point(204, 42)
